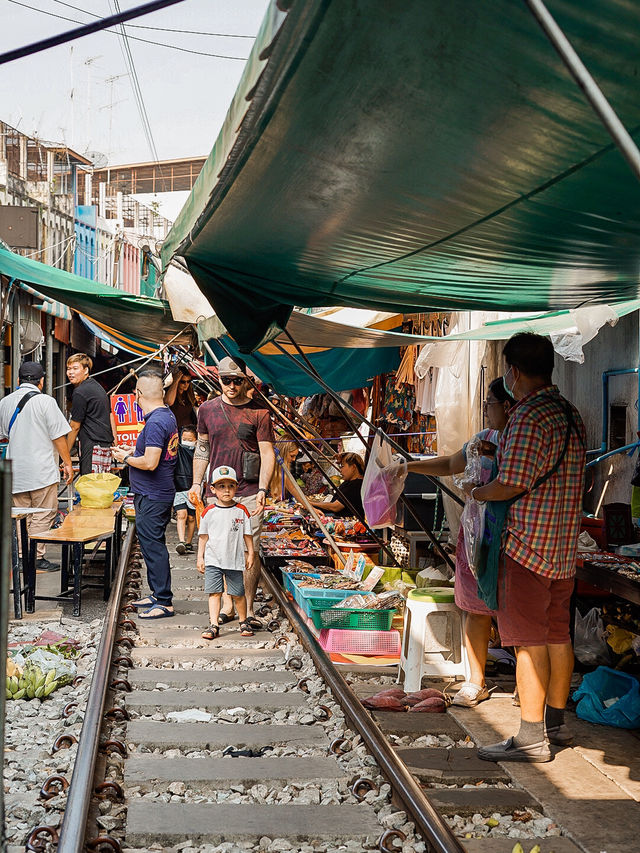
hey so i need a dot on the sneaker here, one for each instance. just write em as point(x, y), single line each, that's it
point(189, 547)
point(535, 753)
point(44, 565)
point(181, 548)
point(470, 695)
point(559, 735)
point(515, 699)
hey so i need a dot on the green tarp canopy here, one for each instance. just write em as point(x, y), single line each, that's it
point(142, 316)
point(425, 155)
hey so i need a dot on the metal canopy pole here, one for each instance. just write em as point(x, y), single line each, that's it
point(583, 78)
point(297, 429)
point(348, 410)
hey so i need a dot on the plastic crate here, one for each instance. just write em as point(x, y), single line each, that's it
point(328, 597)
point(360, 642)
point(356, 619)
point(290, 577)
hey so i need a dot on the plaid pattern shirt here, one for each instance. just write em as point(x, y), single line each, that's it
point(542, 527)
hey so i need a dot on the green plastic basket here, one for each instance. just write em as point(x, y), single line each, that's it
point(363, 619)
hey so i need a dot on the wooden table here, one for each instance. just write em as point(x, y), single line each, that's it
point(81, 526)
point(624, 583)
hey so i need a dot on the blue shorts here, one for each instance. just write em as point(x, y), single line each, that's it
point(213, 580)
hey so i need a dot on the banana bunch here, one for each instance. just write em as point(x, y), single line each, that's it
point(33, 683)
point(518, 848)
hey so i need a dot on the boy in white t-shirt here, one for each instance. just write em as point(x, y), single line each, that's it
point(225, 549)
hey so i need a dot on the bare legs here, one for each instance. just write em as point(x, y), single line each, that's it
point(477, 628)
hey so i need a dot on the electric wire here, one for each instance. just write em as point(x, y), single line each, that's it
point(162, 29)
point(84, 30)
point(137, 38)
point(137, 91)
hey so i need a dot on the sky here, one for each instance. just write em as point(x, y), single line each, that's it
point(81, 95)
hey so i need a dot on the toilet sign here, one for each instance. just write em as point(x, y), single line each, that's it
point(128, 417)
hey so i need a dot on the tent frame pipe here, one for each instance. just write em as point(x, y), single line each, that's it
point(585, 81)
point(347, 411)
point(378, 540)
point(292, 425)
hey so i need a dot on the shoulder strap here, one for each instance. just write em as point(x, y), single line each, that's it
point(22, 403)
point(226, 417)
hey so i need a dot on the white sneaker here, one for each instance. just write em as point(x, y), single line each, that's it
point(470, 695)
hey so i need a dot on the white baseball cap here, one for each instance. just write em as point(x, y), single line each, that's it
point(223, 472)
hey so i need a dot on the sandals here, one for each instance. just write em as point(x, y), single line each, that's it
point(144, 603)
point(210, 633)
point(245, 629)
point(254, 623)
point(223, 618)
point(164, 612)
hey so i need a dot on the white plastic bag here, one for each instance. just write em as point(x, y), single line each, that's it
point(589, 642)
point(383, 483)
point(472, 522)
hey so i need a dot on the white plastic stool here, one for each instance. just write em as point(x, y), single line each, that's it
point(433, 642)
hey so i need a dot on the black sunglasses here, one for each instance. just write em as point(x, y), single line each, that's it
point(231, 380)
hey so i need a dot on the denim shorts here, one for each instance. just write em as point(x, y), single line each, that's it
point(213, 580)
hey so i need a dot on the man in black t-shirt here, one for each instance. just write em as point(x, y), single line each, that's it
point(91, 419)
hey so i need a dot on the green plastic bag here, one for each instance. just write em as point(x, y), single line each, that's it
point(96, 490)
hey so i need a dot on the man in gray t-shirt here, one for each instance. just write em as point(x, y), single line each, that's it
point(37, 437)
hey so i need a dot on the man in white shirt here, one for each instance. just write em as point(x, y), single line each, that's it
point(36, 430)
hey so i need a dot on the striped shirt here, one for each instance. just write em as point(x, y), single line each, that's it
point(542, 527)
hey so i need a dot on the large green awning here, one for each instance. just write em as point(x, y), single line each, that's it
point(425, 155)
point(142, 316)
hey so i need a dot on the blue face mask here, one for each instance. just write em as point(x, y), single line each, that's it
point(504, 383)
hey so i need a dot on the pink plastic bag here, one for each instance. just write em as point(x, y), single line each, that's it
point(383, 483)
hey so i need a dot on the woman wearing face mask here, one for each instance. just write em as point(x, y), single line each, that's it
point(478, 622)
point(185, 510)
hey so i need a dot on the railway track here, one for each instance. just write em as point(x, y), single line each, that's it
point(261, 744)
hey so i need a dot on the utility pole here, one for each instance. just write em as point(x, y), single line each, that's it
point(88, 63)
point(111, 81)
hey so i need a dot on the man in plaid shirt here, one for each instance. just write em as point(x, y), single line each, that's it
point(537, 560)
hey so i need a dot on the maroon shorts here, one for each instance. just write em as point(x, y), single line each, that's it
point(532, 610)
point(466, 586)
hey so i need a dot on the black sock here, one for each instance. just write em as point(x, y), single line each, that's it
point(553, 717)
point(529, 733)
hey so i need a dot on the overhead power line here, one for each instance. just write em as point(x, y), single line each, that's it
point(115, 33)
point(135, 84)
point(84, 30)
point(161, 29)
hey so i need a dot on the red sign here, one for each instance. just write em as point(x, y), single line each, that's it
point(128, 417)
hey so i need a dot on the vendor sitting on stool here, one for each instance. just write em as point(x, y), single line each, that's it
point(347, 499)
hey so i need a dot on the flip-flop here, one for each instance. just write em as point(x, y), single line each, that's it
point(223, 618)
point(254, 623)
point(165, 613)
point(147, 601)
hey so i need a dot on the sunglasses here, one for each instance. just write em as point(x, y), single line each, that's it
point(228, 380)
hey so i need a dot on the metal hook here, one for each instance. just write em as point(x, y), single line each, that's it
point(116, 713)
point(124, 660)
point(68, 709)
point(109, 745)
point(362, 785)
point(63, 742)
point(327, 713)
point(121, 684)
point(37, 844)
point(388, 836)
point(104, 840)
point(104, 788)
point(338, 745)
point(47, 791)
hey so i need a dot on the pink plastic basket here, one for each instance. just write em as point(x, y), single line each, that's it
point(360, 642)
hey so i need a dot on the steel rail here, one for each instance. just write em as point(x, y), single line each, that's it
point(81, 788)
point(429, 822)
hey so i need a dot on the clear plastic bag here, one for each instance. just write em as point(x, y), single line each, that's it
point(589, 643)
point(473, 469)
point(472, 522)
point(383, 483)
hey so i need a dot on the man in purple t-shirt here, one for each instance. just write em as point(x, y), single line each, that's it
point(229, 428)
point(151, 466)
